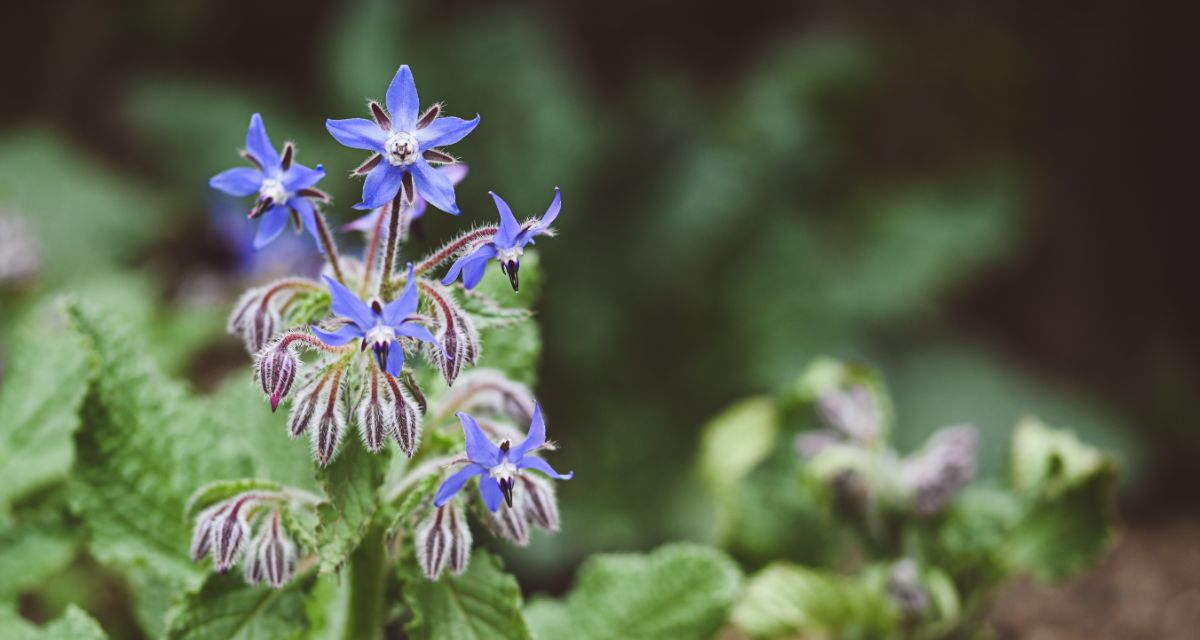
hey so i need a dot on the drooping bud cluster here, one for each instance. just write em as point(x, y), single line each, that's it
point(225, 530)
point(257, 316)
point(320, 411)
point(456, 333)
point(386, 410)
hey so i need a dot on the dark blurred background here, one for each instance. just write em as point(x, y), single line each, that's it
point(993, 203)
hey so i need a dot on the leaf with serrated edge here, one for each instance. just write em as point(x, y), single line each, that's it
point(351, 484)
point(226, 607)
point(677, 591)
point(484, 602)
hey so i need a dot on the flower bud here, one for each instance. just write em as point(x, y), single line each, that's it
point(252, 565)
point(229, 532)
point(941, 469)
point(460, 539)
point(276, 554)
point(403, 418)
point(538, 501)
point(509, 522)
point(373, 417)
point(851, 411)
point(202, 533)
point(432, 541)
point(276, 366)
point(905, 588)
point(255, 318)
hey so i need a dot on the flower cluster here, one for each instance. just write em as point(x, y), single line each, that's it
point(344, 349)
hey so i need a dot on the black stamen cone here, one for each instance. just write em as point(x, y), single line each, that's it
point(510, 269)
point(506, 486)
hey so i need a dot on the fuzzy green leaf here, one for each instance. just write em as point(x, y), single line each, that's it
point(484, 602)
point(784, 601)
point(677, 591)
point(33, 547)
point(73, 624)
point(732, 444)
point(39, 401)
point(226, 607)
point(351, 483)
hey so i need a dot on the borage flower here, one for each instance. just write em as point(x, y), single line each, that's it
point(404, 147)
point(502, 463)
point(506, 246)
point(285, 187)
point(377, 325)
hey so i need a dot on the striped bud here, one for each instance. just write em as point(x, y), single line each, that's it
point(252, 565)
point(944, 466)
point(509, 522)
point(455, 332)
point(276, 553)
point(202, 533)
point(403, 417)
point(276, 366)
point(229, 532)
point(538, 501)
point(373, 414)
point(432, 540)
point(460, 539)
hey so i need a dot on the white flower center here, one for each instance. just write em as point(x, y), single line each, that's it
point(381, 334)
point(401, 149)
point(273, 189)
point(503, 471)
point(512, 254)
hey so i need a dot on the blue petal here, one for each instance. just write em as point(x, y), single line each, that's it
point(482, 254)
point(454, 483)
point(473, 272)
point(509, 227)
point(434, 186)
point(347, 305)
point(526, 237)
point(308, 216)
point(402, 101)
point(270, 226)
point(397, 310)
point(239, 181)
point(537, 464)
point(395, 361)
point(414, 330)
point(337, 338)
point(479, 449)
point(536, 437)
point(357, 133)
point(489, 490)
point(259, 144)
point(301, 177)
point(381, 186)
point(456, 172)
point(418, 208)
point(445, 131)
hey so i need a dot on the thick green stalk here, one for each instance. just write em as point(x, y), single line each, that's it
point(368, 573)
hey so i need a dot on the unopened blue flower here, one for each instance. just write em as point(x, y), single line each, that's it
point(499, 463)
point(455, 172)
point(506, 246)
point(377, 325)
point(282, 185)
point(404, 143)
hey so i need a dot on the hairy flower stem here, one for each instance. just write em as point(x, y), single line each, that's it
point(368, 570)
point(331, 252)
point(453, 247)
point(371, 256)
point(389, 254)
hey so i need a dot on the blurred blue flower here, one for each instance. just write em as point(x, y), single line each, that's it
point(455, 172)
point(282, 185)
point(501, 463)
point(506, 246)
point(282, 257)
point(377, 325)
point(404, 146)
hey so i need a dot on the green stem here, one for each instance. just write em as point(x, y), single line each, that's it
point(364, 608)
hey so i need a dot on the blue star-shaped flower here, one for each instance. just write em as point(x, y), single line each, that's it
point(377, 325)
point(404, 146)
point(500, 463)
point(282, 185)
point(506, 246)
point(456, 173)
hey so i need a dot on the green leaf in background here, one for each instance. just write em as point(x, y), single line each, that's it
point(732, 444)
point(97, 223)
point(39, 401)
point(144, 447)
point(484, 602)
point(785, 601)
point(677, 591)
point(351, 482)
point(34, 547)
point(73, 624)
point(226, 607)
point(1071, 490)
point(514, 349)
